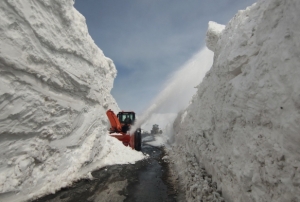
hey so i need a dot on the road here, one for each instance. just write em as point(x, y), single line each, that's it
point(145, 181)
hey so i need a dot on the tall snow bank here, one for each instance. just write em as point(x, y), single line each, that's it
point(54, 90)
point(243, 123)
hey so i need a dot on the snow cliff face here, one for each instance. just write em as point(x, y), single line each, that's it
point(54, 90)
point(243, 123)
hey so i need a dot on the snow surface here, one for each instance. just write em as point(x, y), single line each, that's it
point(243, 123)
point(158, 141)
point(55, 87)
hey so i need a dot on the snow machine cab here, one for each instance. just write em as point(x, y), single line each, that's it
point(126, 117)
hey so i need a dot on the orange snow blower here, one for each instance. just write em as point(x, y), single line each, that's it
point(120, 126)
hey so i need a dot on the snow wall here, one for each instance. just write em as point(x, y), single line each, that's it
point(54, 91)
point(243, 125)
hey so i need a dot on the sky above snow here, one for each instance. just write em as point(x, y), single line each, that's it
point(148, 40)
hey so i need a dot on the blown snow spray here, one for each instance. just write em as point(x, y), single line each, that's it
point(180, 87)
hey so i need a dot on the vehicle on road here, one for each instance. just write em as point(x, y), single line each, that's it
point(155, 130)
point(120, 127)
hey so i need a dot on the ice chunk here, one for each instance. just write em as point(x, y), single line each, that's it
point(213, 34)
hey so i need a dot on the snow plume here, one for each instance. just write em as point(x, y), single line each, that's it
point(163, 120)
point(242, 125)
point(179, 89)
point(54, 90)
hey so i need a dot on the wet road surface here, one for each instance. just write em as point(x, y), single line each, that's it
point(145, 181)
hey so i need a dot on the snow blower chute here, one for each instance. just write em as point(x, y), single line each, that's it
point(120, 127)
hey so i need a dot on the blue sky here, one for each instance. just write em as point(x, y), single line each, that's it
point(148, 40)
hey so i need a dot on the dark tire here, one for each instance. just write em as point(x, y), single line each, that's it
point(138, 140)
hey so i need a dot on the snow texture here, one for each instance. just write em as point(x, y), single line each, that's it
point(55, 87)
point(243, 123)
point(213, 34)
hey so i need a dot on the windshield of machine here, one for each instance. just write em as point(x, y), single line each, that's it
point(126, 118)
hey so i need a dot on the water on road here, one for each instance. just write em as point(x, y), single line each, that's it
point(145, 181)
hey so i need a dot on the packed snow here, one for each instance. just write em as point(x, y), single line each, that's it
point(55, 88)
point(242, 126)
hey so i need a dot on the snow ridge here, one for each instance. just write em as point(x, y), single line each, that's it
point(243, 123)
